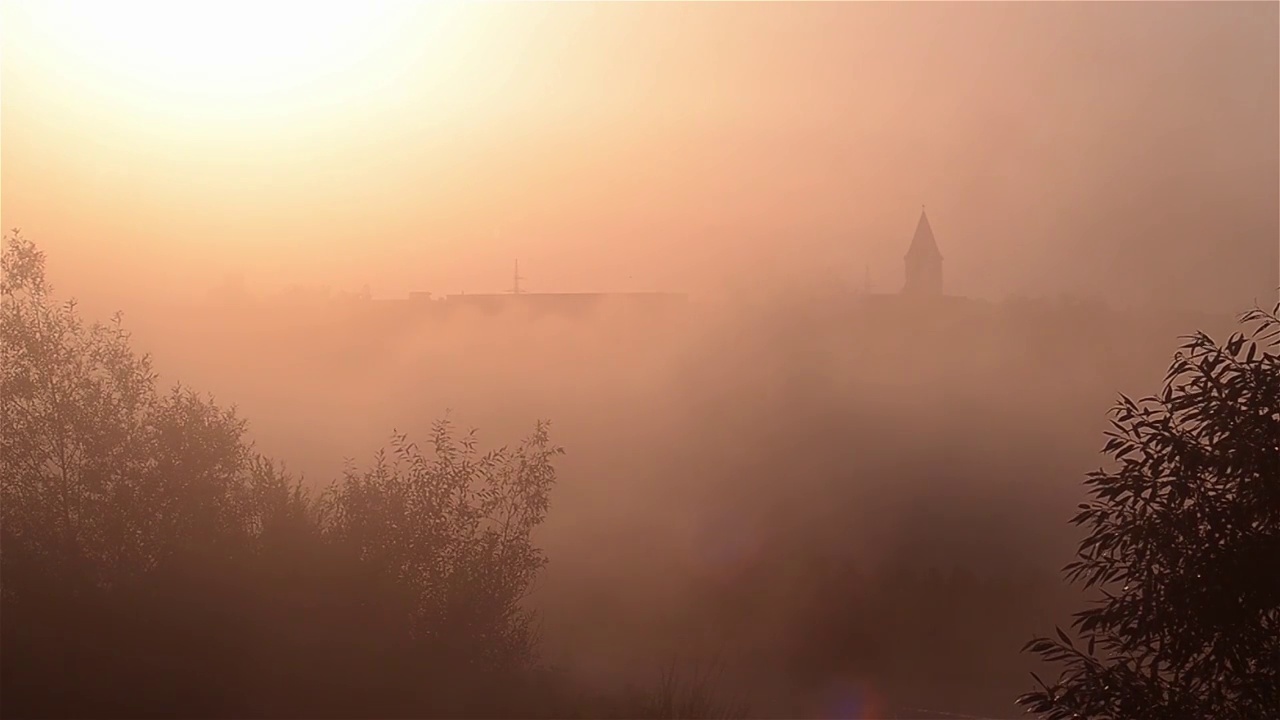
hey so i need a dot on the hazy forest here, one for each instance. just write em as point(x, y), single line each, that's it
point(409, 359)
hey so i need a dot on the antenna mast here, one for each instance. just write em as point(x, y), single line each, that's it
point(515, 280)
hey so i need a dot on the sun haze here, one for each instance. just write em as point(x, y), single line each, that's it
point(664, 146)
point(213, 109)
point(826, 303)
point(232, 53)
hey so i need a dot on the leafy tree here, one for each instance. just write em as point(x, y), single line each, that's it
point(1183, 547)
point(153, 564)
point(456, 527)
point(100, 474)
point(106, 486)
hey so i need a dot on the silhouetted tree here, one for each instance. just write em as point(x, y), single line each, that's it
point(1183, 547)
point(151, 563)
point(106, 487)
point(452, 532)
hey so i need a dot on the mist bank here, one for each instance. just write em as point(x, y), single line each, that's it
point(740, 475)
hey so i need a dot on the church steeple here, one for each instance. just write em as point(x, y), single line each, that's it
point(923, 261)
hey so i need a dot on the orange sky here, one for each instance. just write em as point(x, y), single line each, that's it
point(1128, 151)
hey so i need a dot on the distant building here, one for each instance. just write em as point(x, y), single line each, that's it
point(583, 306)
point(923, 262)
point(520, 302)
point(570, 304)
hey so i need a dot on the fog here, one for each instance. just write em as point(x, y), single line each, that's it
point(747, 482)
point(845, 500)
point(1119, 151)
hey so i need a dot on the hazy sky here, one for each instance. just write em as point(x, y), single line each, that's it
point(1129, 151)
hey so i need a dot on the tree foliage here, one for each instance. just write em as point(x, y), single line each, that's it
point(103, 475)
point(1183, 547)
point(153, 563)
point(456, 527)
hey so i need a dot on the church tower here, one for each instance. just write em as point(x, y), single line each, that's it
point(924, 262)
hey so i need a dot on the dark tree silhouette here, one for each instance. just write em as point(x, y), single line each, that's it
point(152, 564)
point(450, 534)
point(1183, 548)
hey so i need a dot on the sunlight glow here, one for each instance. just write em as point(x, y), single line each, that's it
point(228, 54)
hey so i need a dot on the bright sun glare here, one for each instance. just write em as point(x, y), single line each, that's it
point(228, 52)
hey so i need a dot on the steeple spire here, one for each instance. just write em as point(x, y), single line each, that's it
point(923, 261)
point(922, 243)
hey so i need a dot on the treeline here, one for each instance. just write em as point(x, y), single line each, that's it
point(153, 564)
